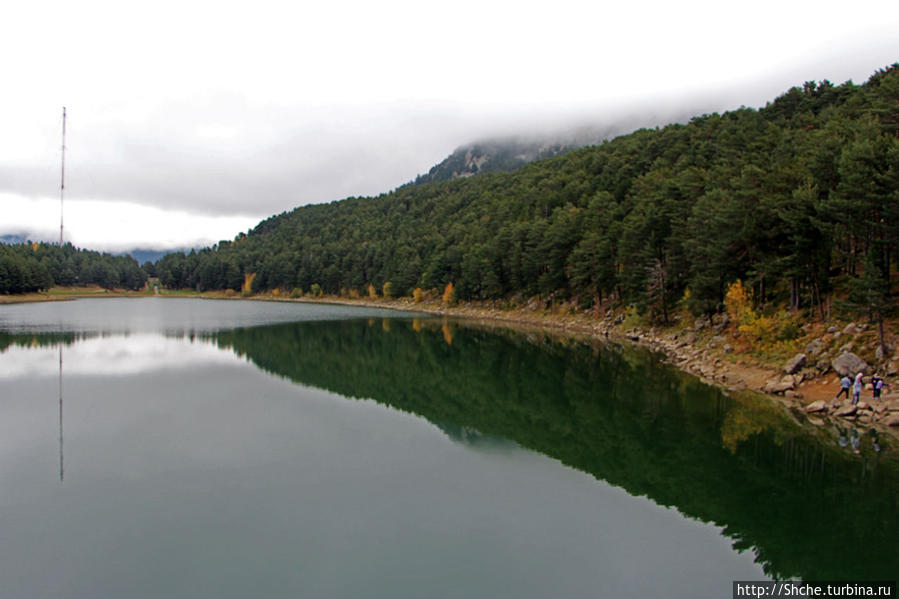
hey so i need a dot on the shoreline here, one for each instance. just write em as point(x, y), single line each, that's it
point(700, 350)
point(700, 355)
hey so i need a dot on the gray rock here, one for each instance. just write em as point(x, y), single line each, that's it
point(822, 366)
point(716, 341)
point(846, 410)
point(728, 348)
point(816, 406)
point(892, 420)
point(850, 329)
point(815, 347)
point(832, 330)
point(848, 363)
point(779, 386)
point(796, 363)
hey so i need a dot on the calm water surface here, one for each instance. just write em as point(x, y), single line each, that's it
point(195, 448)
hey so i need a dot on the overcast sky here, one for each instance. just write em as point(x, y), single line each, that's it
point(188, 122)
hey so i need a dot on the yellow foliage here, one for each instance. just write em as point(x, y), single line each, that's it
point(754, 326)
point(247, 287)
point(449, 294)
point(416, 325)
point(387, 290)
point(738, 302)
point(371, 291)
point(417, 295)
point(276, 292)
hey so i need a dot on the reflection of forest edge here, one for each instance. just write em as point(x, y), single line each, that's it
point(805, 506)
point(623, 417)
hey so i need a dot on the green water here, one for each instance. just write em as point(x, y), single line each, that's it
point(188, 448)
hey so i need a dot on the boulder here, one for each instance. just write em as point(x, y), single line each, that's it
point(823, 365)
point(716, 341)
point(779, 386)
point(794, 364)
point(815, 347)
point(893, 420)
point(851, 329)
point(846, 410)
point(816, 406)
point(848, 363)
point(688, 340)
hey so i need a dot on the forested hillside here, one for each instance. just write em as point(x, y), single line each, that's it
point(29, 267)
point(799, 200)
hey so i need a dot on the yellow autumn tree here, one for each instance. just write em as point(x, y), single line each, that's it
point(449, 294)
point(738, 302)
point(247, 287)
point(372, 293)
point(387, 290)
point(417, 295)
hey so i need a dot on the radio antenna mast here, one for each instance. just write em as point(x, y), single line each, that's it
point(62, 184)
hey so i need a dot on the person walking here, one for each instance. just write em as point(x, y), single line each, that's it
point(877, 383)
point(845, 383)
point(857, 388)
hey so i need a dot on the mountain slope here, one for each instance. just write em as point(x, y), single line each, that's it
point(798, 200)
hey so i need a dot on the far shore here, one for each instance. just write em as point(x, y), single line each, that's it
point(701, 356)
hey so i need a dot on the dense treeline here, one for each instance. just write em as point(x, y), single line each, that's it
point(797, 199)
point(29, 267)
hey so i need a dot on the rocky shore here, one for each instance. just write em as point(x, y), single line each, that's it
point(809, 380)
point(708, 349)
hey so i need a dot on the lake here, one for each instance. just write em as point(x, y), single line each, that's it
point(164, 447)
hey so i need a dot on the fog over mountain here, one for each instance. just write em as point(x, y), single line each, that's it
point(241, 113)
